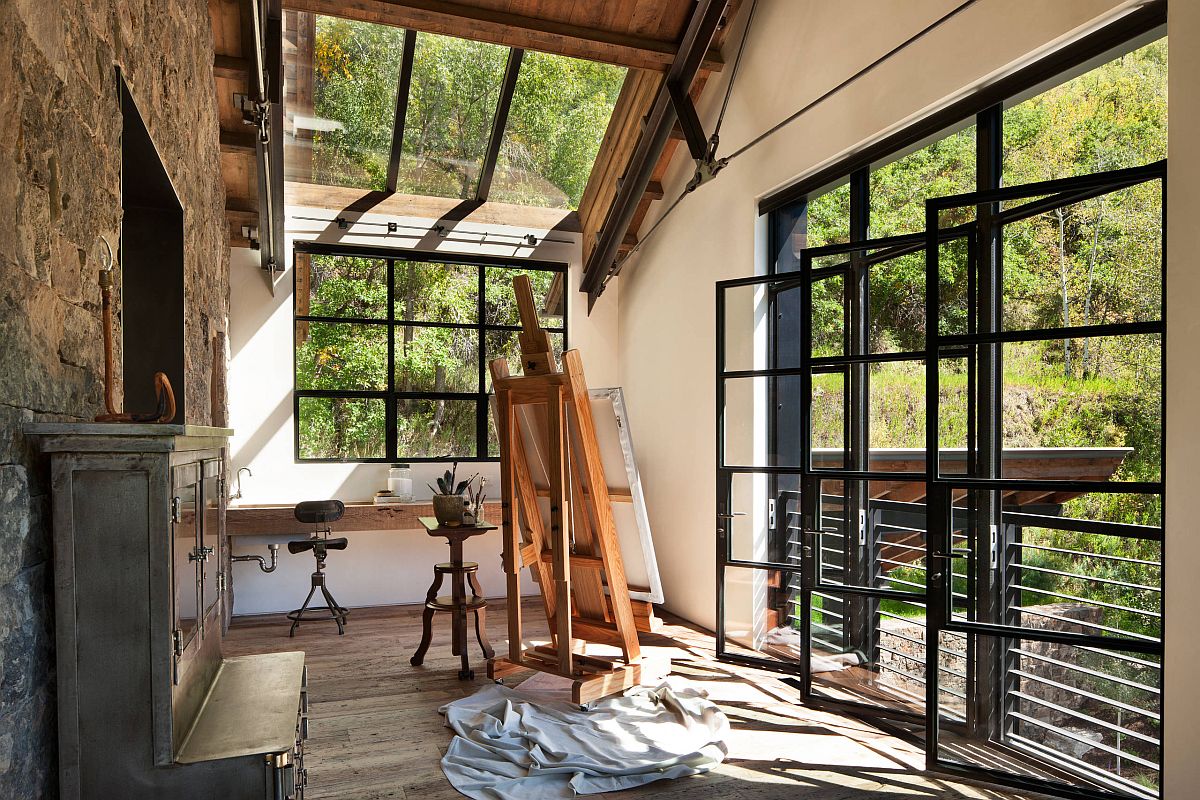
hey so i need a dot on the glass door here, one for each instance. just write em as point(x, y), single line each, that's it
point(1046, 542)
point(759, 472)
point(862, 596)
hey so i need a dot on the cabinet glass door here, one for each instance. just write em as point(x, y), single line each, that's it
point(185, 536)
point(210, 537)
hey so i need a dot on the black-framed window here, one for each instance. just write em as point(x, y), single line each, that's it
point(1047, 338)
point(391, 349)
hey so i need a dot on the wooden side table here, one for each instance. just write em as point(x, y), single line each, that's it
point(457, 602)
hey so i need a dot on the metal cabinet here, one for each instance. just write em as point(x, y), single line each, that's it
point(148, 707)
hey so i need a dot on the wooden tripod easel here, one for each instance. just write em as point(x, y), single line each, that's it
point(575, 554)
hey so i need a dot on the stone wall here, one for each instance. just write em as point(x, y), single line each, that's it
point(59, 191)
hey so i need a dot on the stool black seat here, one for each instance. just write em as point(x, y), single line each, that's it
point(319, 513)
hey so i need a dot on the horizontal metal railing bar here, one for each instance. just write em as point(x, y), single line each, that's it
point(911, 677)
point(1085, 693)
point(1086, 671)
point(1128, 659)
point(918, 621)
point(882, 594)
point(887, 527)
point(1089, 578)
point(1066, 734)
point(1124, 559)
point(1141, 644)
point(904, 546)
point(1070, 712)
point(1089, 601)
point(1090, 772)
point(1126, 529)
point(909, 564)
point(903, 582)
point(921, 662)
point(1095, 625)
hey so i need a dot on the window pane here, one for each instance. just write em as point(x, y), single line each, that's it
point(437, 359)
point(1098, 393)
point(340, 81)
point(897, 416)
point(828, 417)
point(500, 307)
point(559, 114)
point(899, 189)
point(1091, 263)
point(341, 286)
point(436, 428)
point(829, 317)
point(335, 355)
point(451, 105)
point(433, 292)
point(896, 311)
point(1114, 116)
point(829, 218)
point(341, 427)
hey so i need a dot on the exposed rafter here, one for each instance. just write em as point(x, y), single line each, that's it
point(512, 30)
point(698, 37)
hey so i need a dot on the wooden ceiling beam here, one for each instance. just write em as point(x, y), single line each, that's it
point(232, 67)
point(511, 30)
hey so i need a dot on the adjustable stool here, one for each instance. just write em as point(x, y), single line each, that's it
point(319, 513)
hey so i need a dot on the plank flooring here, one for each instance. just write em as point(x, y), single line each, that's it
point(376, 733)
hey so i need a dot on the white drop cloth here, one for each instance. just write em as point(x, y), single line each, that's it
point(508, 747)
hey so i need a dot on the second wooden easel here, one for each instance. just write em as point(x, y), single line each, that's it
point(575, 553)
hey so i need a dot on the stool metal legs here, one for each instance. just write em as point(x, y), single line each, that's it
point(336, 613)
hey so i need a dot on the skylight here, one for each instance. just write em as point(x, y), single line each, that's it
point(341, 85)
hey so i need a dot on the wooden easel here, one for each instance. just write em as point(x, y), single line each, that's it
point(575, 554)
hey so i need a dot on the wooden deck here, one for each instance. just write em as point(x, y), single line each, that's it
point(375, 731)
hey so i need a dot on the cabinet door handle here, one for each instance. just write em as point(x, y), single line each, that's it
point(200, 553)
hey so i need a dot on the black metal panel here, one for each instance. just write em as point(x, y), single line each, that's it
point(403, 85)
point(499, 122)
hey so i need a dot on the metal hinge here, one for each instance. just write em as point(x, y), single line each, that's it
point(177, 641)
point(994, 546)
point(175, 509)
point(221, 582)
point(862, 528)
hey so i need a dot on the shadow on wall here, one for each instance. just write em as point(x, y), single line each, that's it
point(266, 430)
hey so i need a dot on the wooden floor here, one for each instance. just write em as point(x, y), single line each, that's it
point(375, 730)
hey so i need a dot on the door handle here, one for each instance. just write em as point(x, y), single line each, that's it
point(951, 555)
point(731, 516)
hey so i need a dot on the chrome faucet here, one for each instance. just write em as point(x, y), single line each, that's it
point(237, 495)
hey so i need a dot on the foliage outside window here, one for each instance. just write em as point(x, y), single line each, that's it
point(391, 353)
point(341, 84)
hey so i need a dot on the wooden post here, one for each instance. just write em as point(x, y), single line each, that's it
point(512, 541)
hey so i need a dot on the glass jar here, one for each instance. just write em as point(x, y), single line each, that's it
point(400, 482)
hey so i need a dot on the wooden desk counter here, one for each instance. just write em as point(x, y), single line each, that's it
point(277, 519)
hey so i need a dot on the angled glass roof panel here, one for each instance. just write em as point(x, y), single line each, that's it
point(451, 106)
point(340, 81)
point(559, 113)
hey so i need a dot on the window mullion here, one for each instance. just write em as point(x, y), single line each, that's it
point(391, 423)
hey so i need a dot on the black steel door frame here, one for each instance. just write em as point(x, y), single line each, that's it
point(990, 595)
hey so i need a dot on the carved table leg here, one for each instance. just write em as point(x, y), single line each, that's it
point(427, 620)
point(481, 619)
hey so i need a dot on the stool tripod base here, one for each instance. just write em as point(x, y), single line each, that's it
point(330, 611)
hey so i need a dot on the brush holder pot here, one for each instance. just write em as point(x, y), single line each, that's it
point(448, 508)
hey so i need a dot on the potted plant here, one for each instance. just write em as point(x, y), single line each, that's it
point(448, 501)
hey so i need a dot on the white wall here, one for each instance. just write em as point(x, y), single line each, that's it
point(378, 567)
